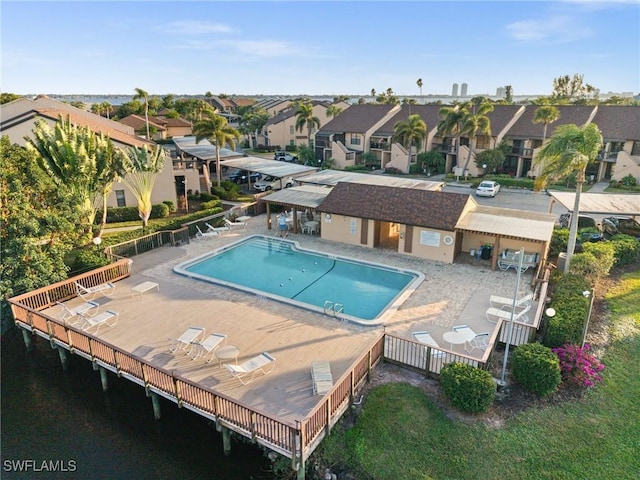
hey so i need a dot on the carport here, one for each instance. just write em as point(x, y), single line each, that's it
point(599, 203)
point(297, 199)
point(505, 228)
point(333, 177)
point(274, 168)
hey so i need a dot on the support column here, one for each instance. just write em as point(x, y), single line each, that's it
point(26, 336)
point(226, 441)
point(62, 353)
point(301, 472)
point(155, 401)
point(103, 379)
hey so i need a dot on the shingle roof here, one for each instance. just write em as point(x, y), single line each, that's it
point(501, 116)
point(423, 208)
point(618, 122)
point(138, 123)
point(525, 128)
point(356, 118)
point(428, 113)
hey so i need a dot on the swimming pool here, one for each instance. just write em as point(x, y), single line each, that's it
point(362, 292)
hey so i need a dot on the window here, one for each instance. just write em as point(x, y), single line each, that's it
point(120, 200)
point(291, 130)
point(483, 142)
point(356, 139)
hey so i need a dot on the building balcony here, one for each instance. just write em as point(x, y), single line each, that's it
point(444, 148)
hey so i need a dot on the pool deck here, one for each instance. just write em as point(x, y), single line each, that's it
point(450, 295)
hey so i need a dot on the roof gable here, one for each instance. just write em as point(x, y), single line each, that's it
point(618, 122)
point(423, 208)
point(356, 118)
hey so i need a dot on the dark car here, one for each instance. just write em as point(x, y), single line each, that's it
point(588, 228)
point(615, 225)
point(242, 176)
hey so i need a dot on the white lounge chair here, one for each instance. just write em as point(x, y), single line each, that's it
point(72, 315)
point(231, 224)
point(207, 346)
point(493, 314)
point(425, 338)
point(185, 340)
point(89, 293)
point(201, 234)
point(246, 372)
point(500, 302)
point(108, 318)
point(480, 341)
point(218, 230)
point(322, 378)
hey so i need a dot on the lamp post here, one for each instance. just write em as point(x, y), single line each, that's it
point(502, 382)
point(587, 294)
point(186, 199)
point(97, 241)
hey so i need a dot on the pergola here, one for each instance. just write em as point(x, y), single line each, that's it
point(297, 199)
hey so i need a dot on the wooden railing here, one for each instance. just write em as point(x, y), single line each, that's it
point(136, 246)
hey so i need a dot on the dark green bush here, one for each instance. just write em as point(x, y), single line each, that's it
point(626, 249)
point(130, 214)
point(88, 259)
point(361, 167)
point(571, 308)
point(468, 388)
point(536, 368)
point(171, 206)
point(160, 210)
point(595, 262)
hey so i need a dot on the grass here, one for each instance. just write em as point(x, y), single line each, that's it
point(401, 434)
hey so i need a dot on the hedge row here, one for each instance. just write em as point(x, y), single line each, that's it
point(571, 307)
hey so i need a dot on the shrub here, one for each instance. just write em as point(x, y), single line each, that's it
point(595, 262)
point(392, 171)
point(571, 311)
point(579, 368)
point(468, 388)
point(88, 259)
point(170, 205)
point(626, 249)
point(211, 204)
point(161, 210)
point(536, 368)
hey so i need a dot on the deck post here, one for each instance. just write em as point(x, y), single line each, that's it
point(155, 401)
point(226, 441)
point(301, 471)
point(103, 379)
point(62, 353)
point(27, 339)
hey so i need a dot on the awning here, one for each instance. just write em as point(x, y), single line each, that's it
point(305, 196)
point(203, 150)
point(332, 177)
point(507, 222)
point(275, 168)
point(600, 203)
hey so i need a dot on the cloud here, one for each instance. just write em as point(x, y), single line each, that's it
point(557, 29)
point(193, 27)
point(263, 48)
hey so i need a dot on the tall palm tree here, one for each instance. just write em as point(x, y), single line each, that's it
point(216, 129)
point(306, 118)
point(107, 108)
point(569, 150)
point(546, 114)
point(97, 108)
point(412, 131)
point(142, 95)
point(68, 155)
point(450, 124)
point(476, 121)
point(333, 111)
point(419, 83)
point(142, 167)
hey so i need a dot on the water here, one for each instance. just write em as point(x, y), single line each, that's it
point(64, 419)
point(276, 267)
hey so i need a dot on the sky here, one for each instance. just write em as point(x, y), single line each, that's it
point(316, 48)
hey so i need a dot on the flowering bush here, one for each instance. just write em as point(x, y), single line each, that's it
point(578, 367)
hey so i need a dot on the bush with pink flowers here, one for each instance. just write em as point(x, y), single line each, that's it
point(578, 367)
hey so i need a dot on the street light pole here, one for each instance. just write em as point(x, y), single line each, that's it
point(513, 312)
point(587, 294)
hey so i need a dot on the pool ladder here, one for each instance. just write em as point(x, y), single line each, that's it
point(335, 308)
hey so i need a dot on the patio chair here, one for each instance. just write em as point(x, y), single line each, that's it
point(246, 372)
point(322, 378)
point(89, 293)
point(207, 346)
point(493, 314)
point(425, 338)
point(72, 315)
point(218, 230)
point(185, 340)
point(231, 224)
point(500, 302)
point(480, 341)
point(109, 318)
point(201, 234)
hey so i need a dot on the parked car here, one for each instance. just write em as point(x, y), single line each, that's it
point(285, 157)
point(588, 228)
point(242, 176)
point(487, 188)
point(273, 183)
point(614, 225)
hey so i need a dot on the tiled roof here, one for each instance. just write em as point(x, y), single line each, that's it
point(138, 123)
point(356, 118)
point(291, 112)
point(422, 208)
point(525, 128)
point(618, 122)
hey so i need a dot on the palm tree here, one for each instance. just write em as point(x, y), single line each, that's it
point(68, 155)
point(215, 128)
point(419, 83)
point(546, 114)
point(141, 167)
point(107, 108)
point(451, 123)
point(409, 132)
point(333, 111)
point(306, 118)
point(373, 92)
point(570, 150)
point(476, 121)
point(97, 108)
point(142, 95)
point(109, 168)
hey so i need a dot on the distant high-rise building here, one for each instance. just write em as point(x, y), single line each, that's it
point(454, 90)
point(463, 90)
point(500, 92)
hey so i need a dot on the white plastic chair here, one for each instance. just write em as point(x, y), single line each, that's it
point(207, 346)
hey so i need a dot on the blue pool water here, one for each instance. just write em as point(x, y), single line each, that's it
point(281, 270)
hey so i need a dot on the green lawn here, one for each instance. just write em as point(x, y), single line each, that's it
point(401, 434)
